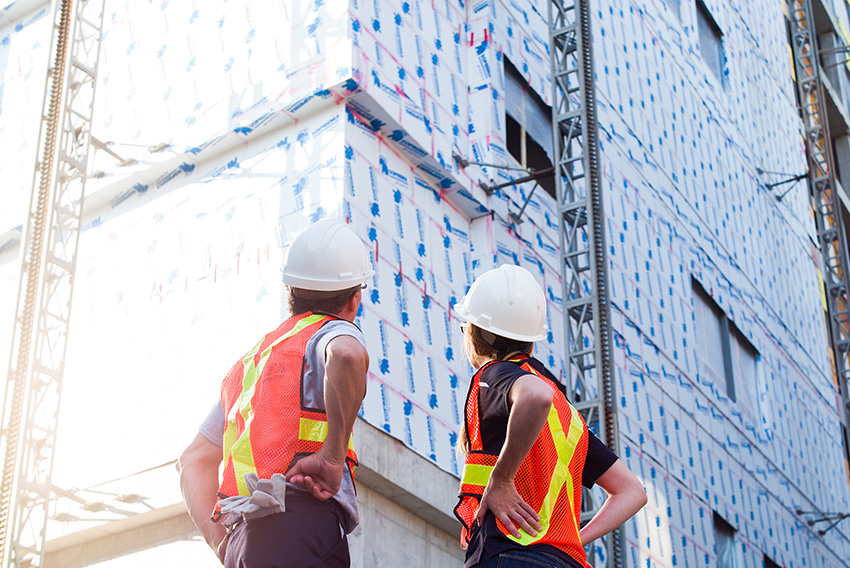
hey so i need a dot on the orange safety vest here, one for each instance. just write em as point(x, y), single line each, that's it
point(267, 423)
point(549, 479)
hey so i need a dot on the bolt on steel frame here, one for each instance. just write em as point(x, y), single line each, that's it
point(584, 273)
point(49, 256)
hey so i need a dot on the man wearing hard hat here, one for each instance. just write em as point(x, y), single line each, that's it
point(528, 451)
point(283, 424)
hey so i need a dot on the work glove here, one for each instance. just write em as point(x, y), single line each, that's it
point(267, 497)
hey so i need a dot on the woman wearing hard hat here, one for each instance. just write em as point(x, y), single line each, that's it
point(527, 449)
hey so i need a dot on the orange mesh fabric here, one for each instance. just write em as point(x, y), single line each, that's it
point(533, 484)
point(261, 398)
point(534, 480)
point(274, 432)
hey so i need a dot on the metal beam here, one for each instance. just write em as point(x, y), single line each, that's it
point(119, 538)
point(49, 254)
point(584, 273)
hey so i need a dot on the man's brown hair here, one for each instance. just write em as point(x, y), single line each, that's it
point(301, 300)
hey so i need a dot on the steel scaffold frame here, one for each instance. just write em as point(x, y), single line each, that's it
point(584, 272)
point(833, 242)
point(48, 261)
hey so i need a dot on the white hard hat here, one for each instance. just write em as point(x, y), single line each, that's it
point(506, 301)
point(326, 256)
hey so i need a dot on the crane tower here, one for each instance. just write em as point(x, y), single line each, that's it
point(584, 274)
point(49, 255)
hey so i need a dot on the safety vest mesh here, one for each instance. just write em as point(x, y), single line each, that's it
point(549, 478)
point(267, 423)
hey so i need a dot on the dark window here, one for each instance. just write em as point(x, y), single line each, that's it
point(846, 451)
point(528, 126)
point(725, 354)
point(515, 138)
point(710, 41)
point(744, 359)
point(724, 543)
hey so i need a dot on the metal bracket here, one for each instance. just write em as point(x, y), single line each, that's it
point(793, 178)
point(533, 175)
point(517, 217)
point(824, 518)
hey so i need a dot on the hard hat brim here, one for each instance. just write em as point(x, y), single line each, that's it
point(466, 316)
point(327, 285)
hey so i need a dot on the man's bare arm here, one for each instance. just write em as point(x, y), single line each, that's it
point(198, 468)
point(346, 368)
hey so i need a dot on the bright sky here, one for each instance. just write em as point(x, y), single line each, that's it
point(194, 553)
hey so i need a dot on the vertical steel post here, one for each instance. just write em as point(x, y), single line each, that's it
point(49, 256)
point(584, 274)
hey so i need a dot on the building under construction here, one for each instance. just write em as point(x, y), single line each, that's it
point(670, 171)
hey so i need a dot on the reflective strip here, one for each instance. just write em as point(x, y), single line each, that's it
point(475, 474)
point(241, 452)
point(575, 433)
point(312, 430)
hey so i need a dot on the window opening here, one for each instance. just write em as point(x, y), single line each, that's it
point(727, 355)
point(724, 543)
point(744, 368)
point(710, 41)
point(846, 441)
point(790, 38)
point(528, 126)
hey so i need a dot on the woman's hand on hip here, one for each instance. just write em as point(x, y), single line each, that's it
point(502, 498)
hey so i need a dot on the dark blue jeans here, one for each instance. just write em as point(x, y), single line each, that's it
point(522, 559)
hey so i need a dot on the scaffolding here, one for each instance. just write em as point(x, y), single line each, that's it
point(833, 240)
point(49, 256)
point(584, 273)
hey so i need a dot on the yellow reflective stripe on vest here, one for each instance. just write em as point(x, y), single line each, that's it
point(576, 431)
point(240, 451)
point(561, 478)
point(476, 474)
point(311, 430)
point(240, 454)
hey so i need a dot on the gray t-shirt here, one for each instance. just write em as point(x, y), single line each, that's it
point(314, 376)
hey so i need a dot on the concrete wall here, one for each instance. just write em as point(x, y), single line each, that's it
point(405, 505)
point(421, 544)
